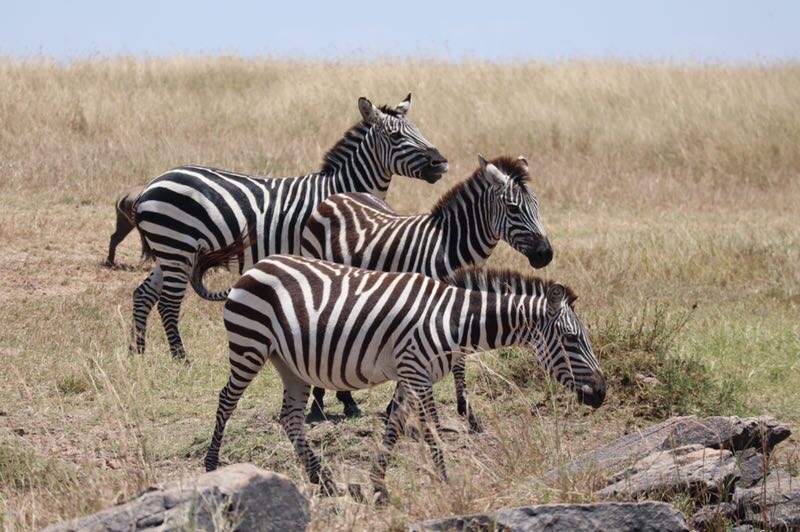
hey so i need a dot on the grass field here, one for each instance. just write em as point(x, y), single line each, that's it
point(670, 194)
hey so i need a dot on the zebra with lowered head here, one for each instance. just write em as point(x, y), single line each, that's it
point(462, 229)
point(344, 328)
point(195, 209)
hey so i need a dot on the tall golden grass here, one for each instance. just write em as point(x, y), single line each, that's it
point(662, 186)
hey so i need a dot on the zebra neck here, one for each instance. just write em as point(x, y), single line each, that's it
point(468, 235)
point(497, 320)
point(354, 164)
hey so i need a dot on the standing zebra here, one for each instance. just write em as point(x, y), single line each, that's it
point(463, 229)
point(193, 208)
point(344, 328)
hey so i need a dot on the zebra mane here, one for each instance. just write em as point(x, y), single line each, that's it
point(503, 281)
point(354, 135)
point(511, 167)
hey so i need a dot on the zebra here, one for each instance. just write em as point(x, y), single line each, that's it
point(195, 208)
point(344, 328)
point(462, 229)
point(124, 211)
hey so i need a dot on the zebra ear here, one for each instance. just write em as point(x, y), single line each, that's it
point(556, 294)
point(369, 112)
point(482, 162)
point(404, 106)
point(492, 172)
point(523, 161)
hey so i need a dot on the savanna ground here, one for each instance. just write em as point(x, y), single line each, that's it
point(670, 194)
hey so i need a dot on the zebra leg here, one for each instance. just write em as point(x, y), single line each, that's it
point(169, 307)
point(429, 419)
point(462, 403)
point(124, 227)
point(295, 399)
point(350, 407)
point(317, 405)
point(247, 367)
point(144, 297)
point(394, 427)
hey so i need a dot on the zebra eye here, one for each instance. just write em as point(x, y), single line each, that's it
point(396, 135)
point(513, 207)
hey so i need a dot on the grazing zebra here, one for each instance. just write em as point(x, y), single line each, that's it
point(462, 229)
point(345, 328)
point(193, 208)
point(124, 210)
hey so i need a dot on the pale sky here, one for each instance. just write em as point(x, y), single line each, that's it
point(498, 30)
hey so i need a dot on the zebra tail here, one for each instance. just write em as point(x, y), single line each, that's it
point(215, 259)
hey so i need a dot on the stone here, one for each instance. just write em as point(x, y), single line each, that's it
point(239, 496)
point(751, 467)
point(623, 517)
point(714, 516)
point(773, 503)
point(762, 433)
point(693, 469)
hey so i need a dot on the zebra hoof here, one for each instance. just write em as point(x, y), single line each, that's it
point(211, 464)
point(381, 497)
point(475, 425)
point(351, 410)
point(316, 414)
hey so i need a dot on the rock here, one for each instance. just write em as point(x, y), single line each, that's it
point(718, 432)
point(714, 516)
point(694, 469)
point(239, 496)
point(773, 503)
point(647, 517)
point(751, 467)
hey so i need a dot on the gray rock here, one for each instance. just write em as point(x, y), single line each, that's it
point(718, 432)
point(773, 504)
point(646, 517)
point(751, 467)
point(239, 496)
point(714, 516)
point(693, 469)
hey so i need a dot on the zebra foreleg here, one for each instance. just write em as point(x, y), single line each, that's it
point(144, 297)
point(431, 427)
point(317, 405)
point(394, 427)
point(462, 403)
point(169, 307)
point(295, 398)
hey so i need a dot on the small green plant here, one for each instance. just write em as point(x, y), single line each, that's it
point(72, 384)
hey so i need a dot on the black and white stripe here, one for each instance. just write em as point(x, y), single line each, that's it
point(463, 229)
point(195, 209)
point(344, 328)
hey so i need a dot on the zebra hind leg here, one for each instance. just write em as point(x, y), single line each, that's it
point(462, 403)
point(169, 307)
point(295, 399)
point(238, 382)
point(144, 297)
point(394, 427)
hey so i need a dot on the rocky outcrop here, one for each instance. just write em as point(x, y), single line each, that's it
point(691, 469)
point(773, 503)
point(718, 432)
point(239, 496)
point(648, 517)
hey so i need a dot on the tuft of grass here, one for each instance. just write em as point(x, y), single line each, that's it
point(648, 373)
point(72, 384)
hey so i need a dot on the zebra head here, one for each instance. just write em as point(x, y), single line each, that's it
point(517, 219)
point(400, 146)
point(563, 348)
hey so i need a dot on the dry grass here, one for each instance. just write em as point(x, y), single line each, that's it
point(662, 187)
